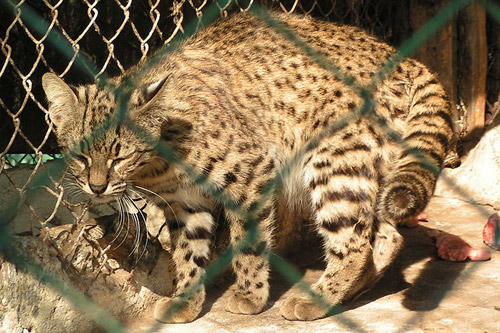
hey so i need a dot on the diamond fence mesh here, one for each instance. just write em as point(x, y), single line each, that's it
point(107, 38)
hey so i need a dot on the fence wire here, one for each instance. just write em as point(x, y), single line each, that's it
point(94, 48)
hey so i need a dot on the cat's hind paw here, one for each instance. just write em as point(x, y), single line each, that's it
point(177, 310)
point(302, 308)
point(240, 303)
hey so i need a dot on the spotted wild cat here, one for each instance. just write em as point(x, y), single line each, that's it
point(236, 102)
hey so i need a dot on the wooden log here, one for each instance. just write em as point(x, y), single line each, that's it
point(438, 52)
point(472, 66)
point(493, 77)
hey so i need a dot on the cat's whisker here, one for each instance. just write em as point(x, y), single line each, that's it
point(144, 221)
point(124, 215)
point(159, 196)
point(119, 228)
point(145, 232)
point(141, 197)
point(73, 190)
point(139, 218)
point(135, 218)
point(137, 221)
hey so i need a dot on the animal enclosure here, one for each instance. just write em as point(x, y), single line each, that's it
point(84, 41)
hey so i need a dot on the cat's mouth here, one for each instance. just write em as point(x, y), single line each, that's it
point(132, 201)
point(100, 199)
point(105, 198)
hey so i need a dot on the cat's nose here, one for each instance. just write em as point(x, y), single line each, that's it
point(98, 188)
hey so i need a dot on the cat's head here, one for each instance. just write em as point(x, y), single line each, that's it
point(103, 157)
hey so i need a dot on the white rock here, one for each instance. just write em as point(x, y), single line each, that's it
point(478, 177)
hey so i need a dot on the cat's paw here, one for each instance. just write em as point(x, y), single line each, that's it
point(177, 310)
point(302, 308)
point(237, 302)
point(386, 247)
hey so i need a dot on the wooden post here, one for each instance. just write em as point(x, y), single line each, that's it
point(438, 52)
point(472, 66)
point(493, 77)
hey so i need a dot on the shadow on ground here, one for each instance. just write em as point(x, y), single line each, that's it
point(423, 294)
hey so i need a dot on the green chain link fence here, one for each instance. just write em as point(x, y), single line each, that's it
point(54, 36)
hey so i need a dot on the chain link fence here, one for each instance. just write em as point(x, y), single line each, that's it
point(113, 36)
point(84, 41)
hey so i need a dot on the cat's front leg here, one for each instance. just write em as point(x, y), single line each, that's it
point(191, 231)
point(250, 292)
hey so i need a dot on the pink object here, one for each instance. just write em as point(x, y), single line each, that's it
point(454, 248)
point(491, 232)
point(414, 221)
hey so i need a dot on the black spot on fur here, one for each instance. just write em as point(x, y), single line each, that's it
point(241, 200)
point(339, 222)
point(264, 214)
point(200, 261)
point(322, 164)
point(358, 228)
point(257, 161)
point(339, 255)
point(229, 178)
point(199, 233)
point(269, 167)
point(175, 225)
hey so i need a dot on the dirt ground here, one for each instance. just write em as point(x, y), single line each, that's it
point(419, 293)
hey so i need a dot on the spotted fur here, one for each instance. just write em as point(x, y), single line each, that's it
point(237, 102)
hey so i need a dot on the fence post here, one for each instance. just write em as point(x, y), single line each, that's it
point(438, 52)
point(472, 66)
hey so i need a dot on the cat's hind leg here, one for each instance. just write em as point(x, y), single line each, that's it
point(342, 177)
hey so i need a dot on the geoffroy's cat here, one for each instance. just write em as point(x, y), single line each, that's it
point(237, 101)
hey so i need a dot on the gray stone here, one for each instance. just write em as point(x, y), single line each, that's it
point(478, 177)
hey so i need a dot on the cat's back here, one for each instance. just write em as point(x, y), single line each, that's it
point(266, 72)
point(287, 41)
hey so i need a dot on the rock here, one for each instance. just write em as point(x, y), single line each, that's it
point(28, 304)
point(112, 282)
point(477, 178)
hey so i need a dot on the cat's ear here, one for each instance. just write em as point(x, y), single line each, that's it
point(61, 97)
point(150, 91)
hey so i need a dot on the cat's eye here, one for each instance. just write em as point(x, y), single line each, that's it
point(113, 163)
point(81, 159)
